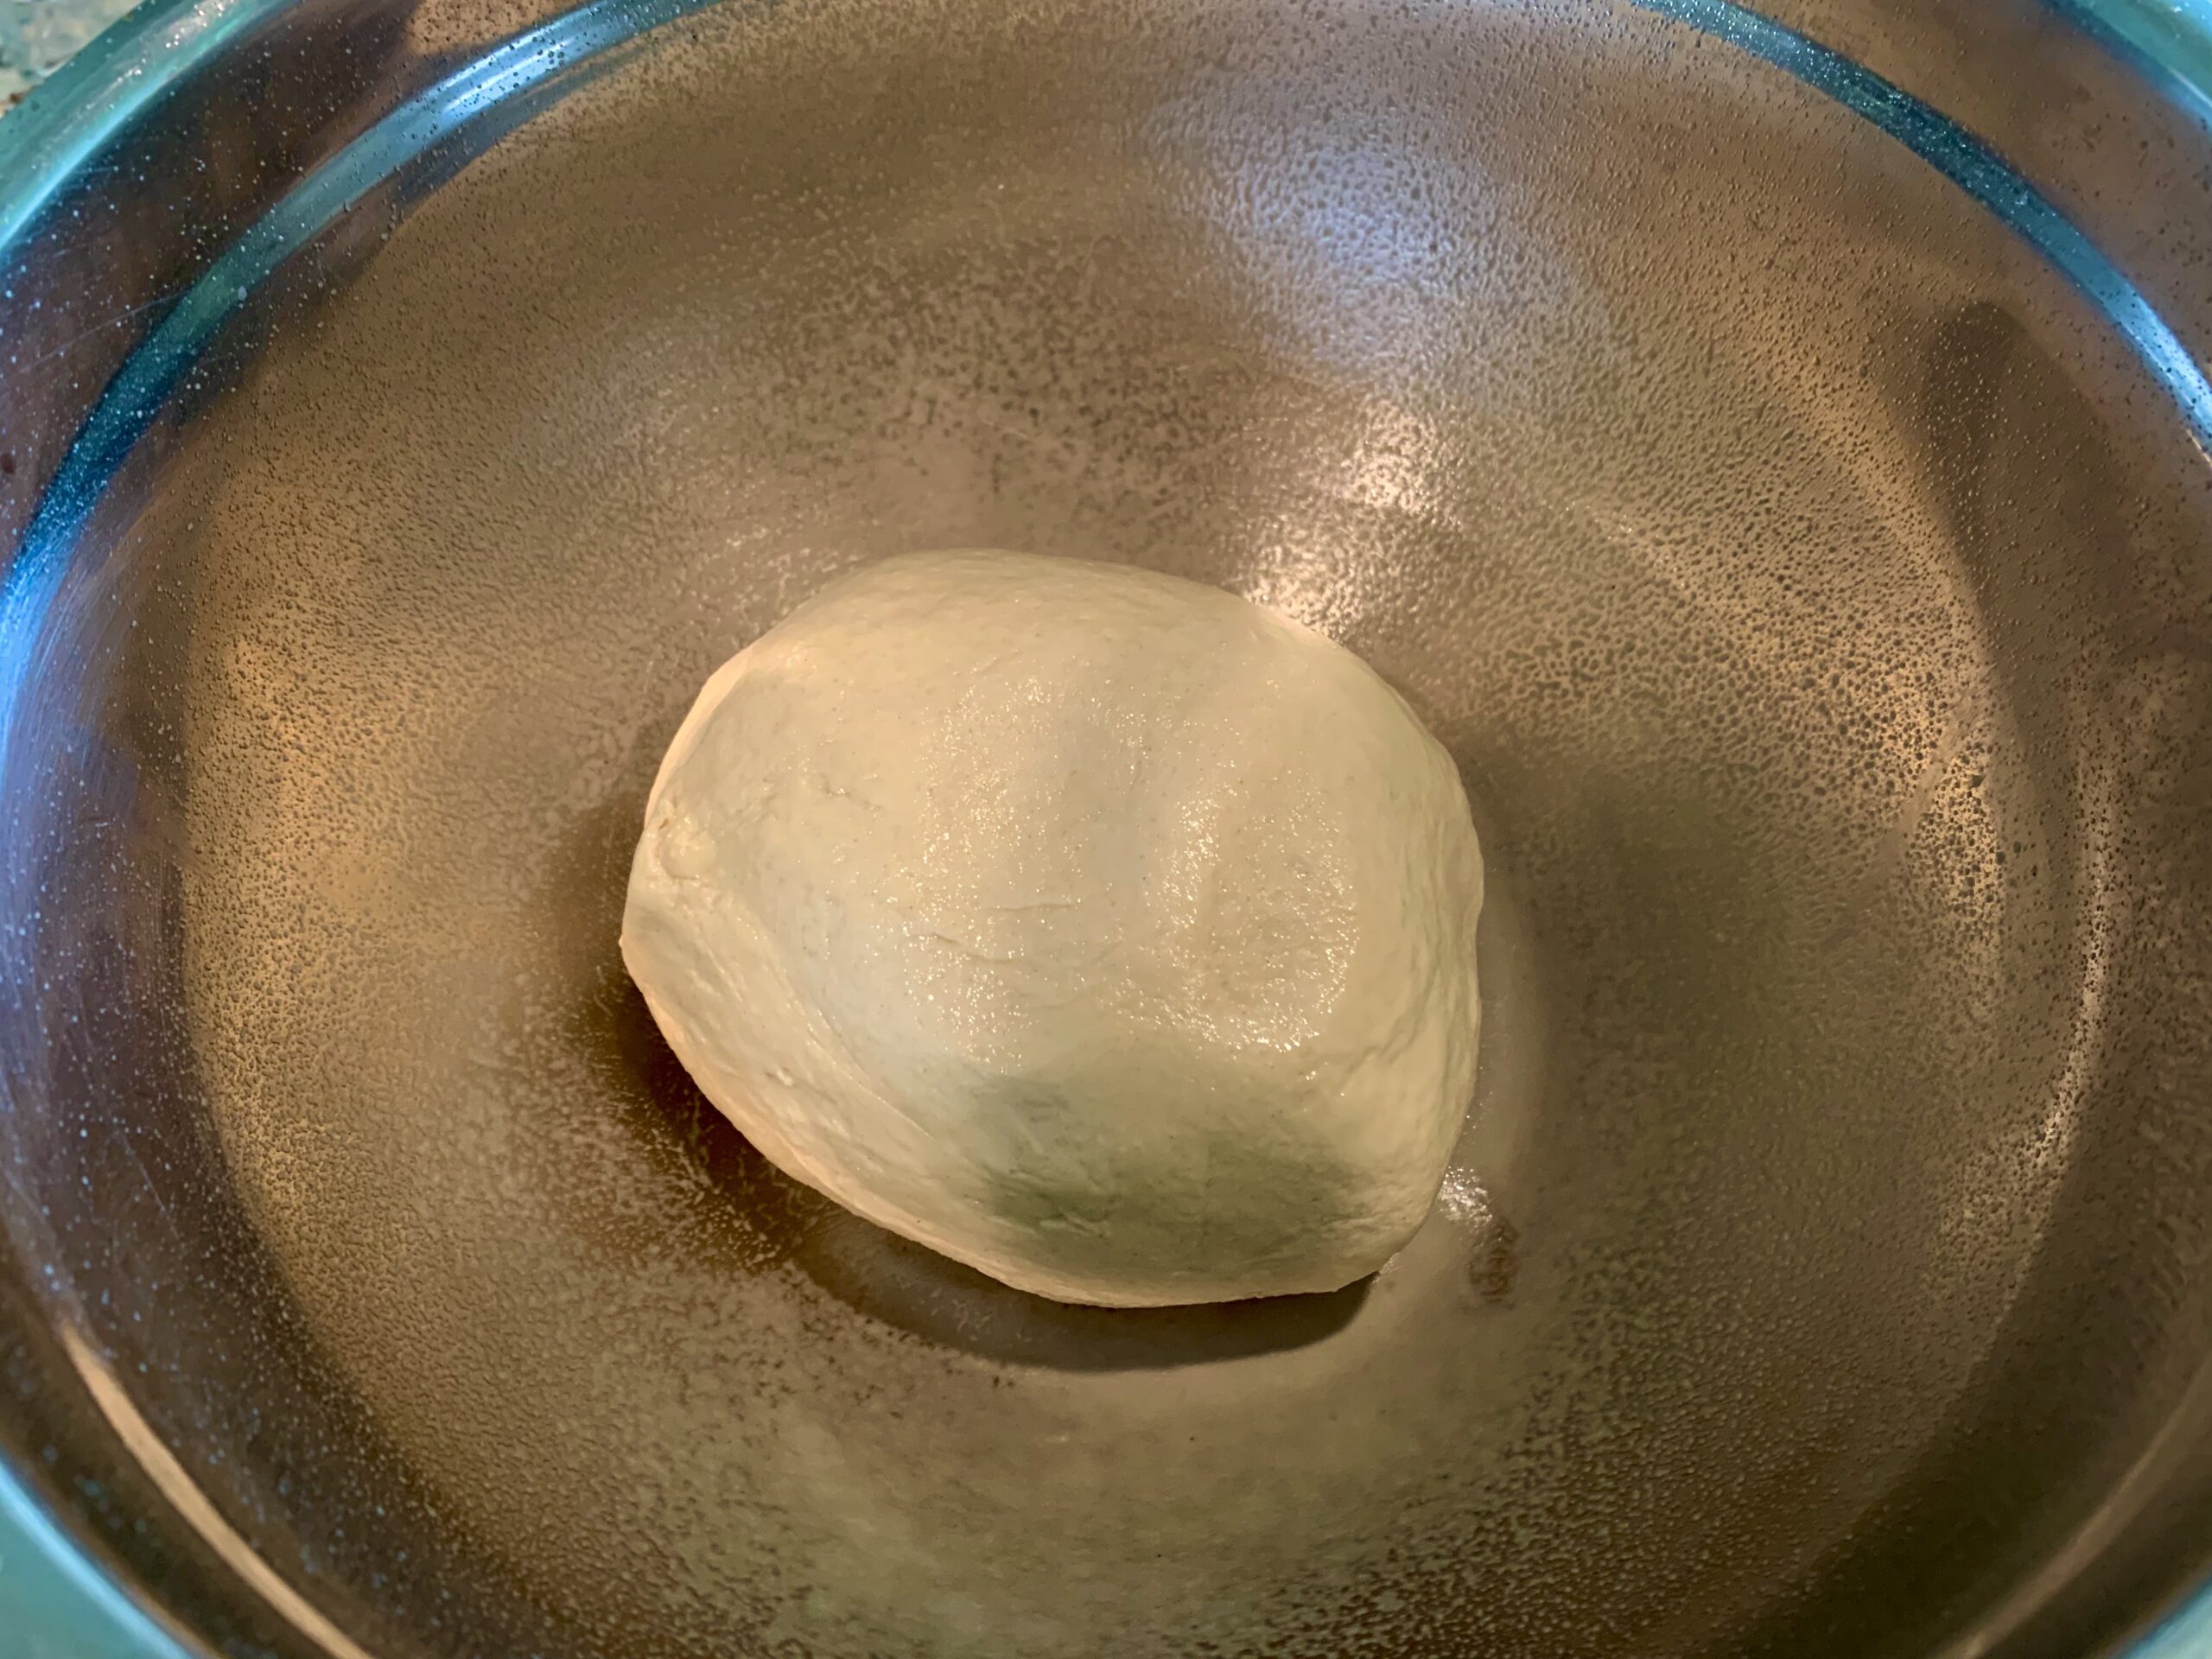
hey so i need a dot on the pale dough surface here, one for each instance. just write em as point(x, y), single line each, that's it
point(1096, 928)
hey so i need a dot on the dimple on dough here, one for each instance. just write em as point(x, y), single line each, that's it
point(1100, 930)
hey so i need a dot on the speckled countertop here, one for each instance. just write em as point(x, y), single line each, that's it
point(35, 36)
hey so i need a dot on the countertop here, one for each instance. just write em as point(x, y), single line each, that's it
point(35, 36)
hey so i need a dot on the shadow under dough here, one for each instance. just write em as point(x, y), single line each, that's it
point(772, 1219)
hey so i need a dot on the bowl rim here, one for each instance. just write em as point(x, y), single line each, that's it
point(66, 120)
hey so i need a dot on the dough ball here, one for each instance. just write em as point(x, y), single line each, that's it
point(1100, 930)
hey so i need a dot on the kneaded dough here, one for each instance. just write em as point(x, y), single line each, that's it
point(1096, 928)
